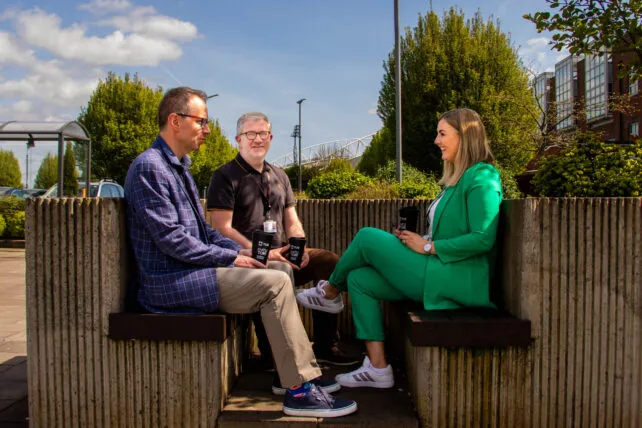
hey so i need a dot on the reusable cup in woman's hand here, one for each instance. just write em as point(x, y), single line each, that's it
point(261, 243)
point(408, 218)
point(297, 246)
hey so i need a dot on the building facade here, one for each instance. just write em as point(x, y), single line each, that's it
point(588, 93)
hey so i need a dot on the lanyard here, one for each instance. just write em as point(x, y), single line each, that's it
point(265, 192)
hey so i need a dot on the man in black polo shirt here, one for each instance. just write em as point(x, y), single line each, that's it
point(244, 194)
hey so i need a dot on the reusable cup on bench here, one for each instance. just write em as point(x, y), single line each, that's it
point(261, 243)
point(408, 218)
point(297, 246)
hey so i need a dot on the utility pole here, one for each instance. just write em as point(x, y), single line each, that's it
point(300, 170)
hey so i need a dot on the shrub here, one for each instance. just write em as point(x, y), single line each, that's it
point(509, 184)
point(388, 173)
point(11, 203)
point(410, 189)
point(335, 184)
point(308, 173)
point(15, 224)
point(338, 165)
point(3, 225)
point(591, 168)
point(375, 190)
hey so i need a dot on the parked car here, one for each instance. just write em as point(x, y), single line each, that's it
point(102, 189)
point(23, 193)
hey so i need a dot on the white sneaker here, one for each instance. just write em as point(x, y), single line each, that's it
point(314, 298)
point(365, 376)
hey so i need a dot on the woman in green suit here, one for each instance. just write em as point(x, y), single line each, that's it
point(447, 268)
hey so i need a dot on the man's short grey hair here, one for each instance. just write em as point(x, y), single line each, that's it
point(254, 115)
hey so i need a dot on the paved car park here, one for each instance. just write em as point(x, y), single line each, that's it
point(13, 339)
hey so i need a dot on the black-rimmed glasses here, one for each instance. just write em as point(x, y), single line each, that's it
point(203, 121)
point(251, 135)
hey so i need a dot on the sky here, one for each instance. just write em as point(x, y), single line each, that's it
point(256, 55)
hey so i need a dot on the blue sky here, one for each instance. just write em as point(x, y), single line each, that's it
point(257, 55)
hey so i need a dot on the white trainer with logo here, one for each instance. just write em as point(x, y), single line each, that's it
point(314, 298)
point(366, 376)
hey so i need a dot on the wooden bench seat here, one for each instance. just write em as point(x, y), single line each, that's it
point(466, 327)
point(179, 327)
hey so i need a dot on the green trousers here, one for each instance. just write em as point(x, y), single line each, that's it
point(376, 266)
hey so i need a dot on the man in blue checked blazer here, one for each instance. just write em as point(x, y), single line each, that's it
point(185, 266)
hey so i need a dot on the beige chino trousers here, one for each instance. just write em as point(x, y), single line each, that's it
point(270, 291)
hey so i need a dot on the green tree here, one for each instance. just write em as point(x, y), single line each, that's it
point(70, 173)
point(381, 149)
point(586, 27)
point(453, 62)
point(121, 120)
point(216, 151)
point(47, 174)
point(10, 174)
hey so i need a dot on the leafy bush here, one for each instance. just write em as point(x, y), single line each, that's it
point(308, 172)
point(509, 184)
point(335, 184)
point(338, 165)
point(3, 225)
point(591, 168)
point(388, 173)
point(12, 212)
point(15, 224)
point(410, 189)
point(375, 190)
point(11, 203)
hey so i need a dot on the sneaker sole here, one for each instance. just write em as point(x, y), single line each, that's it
point(368, 384)
point(329, 389)
point(321, 413)
point(320, 308)
point(328, 309)
point(336, 363)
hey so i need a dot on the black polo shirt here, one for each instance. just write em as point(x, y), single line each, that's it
point(238, 187)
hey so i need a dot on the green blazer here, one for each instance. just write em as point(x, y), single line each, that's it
point(464, 233)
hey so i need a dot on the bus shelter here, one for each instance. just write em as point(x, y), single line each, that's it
point(49, 131)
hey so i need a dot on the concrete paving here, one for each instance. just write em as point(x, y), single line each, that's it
point(13, 339)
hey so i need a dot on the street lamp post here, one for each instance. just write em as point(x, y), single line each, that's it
point(398, 91)
point(300, 133)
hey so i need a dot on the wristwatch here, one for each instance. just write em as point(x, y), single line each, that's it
point(427, 247)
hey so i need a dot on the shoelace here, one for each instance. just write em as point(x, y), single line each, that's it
point(320, 289)
point(320, 395)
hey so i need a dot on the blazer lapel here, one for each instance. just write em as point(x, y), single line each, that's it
point(440, 208)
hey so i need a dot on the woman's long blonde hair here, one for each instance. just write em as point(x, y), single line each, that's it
point(473, 144)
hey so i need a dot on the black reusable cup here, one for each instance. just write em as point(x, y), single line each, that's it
point(261, 243)
point(408, 218)
point(297, 246)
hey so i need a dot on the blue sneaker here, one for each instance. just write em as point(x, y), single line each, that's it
point(328, 386)
point(317, 404)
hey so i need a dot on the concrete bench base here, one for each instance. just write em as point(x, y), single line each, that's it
point(466, 367)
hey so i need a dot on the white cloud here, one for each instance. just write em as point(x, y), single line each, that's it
point(23, 106)
point(44, 30)
point(159, 26)
point(538, 42)
point(372, 111)
point(105, 6)
point(12, 53)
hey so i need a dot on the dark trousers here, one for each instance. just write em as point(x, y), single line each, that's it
point(320, 266)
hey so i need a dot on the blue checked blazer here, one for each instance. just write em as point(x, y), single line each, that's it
point(176, 250)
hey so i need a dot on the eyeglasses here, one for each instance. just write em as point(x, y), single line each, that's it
point(204, 122)
point(251, 135)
